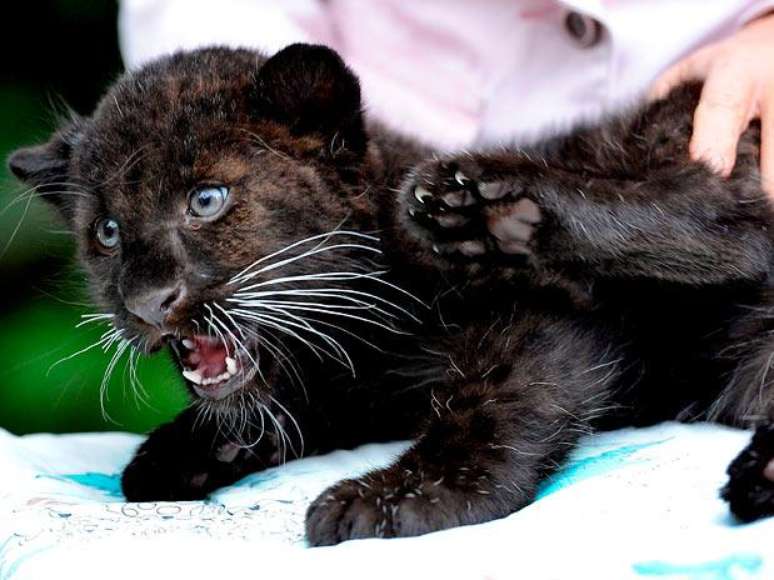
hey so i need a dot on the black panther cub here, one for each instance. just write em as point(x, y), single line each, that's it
point(322, 282)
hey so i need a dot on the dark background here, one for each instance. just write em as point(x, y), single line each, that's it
point(57, 53)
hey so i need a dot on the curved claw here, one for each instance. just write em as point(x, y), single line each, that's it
point(461, 178)
point(422, 195)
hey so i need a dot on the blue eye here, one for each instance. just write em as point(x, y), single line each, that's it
point(106, 232)
point(207, 201)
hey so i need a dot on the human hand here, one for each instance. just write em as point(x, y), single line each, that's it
point(738, 80)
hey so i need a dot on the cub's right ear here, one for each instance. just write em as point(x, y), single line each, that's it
point(46, 167)
point(309, 88)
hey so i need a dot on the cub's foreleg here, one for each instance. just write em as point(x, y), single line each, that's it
point(511, 400)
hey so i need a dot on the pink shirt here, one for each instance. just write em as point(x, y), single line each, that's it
point(460, 72)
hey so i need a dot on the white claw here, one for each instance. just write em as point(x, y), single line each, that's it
point(231, 366)
point(421, 194)
point(194, 377)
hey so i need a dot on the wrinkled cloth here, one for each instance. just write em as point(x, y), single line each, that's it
point(460, 73)
point(636, 503)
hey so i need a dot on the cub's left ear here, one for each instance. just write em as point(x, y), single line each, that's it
point(46, 167)
point(310, 88)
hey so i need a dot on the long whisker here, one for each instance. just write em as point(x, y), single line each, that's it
point(363, 306)
point(33, 192)
point(295, 424)
point(306, 254)
point(103, 391)
point(104, 341)
point(335, 276)
point(344, 294)
point(141, 395)
point(92, 318)
point(239, 276)
point(279, 305)
point(299, 322)
point(345, 331)
point(277, 324)
point(218, 332)
point(332, 276)
point(237, 343)
point(17, 227)
point(285, 360)
point(281, 356)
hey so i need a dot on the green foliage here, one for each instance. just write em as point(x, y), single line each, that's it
point(38, 284)
point(27, 230)
point(37, 393)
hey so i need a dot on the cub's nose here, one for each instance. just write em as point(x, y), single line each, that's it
point(158, 305)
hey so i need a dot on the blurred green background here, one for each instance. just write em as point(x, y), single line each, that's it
point(58, 52)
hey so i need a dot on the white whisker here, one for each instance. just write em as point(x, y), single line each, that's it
point(103, 391)
point(323, 237)
point(295, 424)
point(104, 341)
point(332, 342)
point(278, 305)
point(277, 324)
point(306, 254)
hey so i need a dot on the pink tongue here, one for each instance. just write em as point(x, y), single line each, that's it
point(208, 356)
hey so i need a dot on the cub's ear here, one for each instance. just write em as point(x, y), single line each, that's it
point(46, 167)
point(311, 89)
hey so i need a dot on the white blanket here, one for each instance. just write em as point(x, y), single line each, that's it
point(630, 504)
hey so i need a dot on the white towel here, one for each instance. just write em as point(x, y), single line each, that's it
point(638, 503)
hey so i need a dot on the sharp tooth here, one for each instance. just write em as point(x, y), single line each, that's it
point(193, 376)
point(223, 376)
point(231, 365)
point(188, 343)
point(207, 382)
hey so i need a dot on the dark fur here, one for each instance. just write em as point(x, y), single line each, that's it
point(593, 280)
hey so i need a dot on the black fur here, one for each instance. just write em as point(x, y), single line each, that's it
point(748, 492)
point(593, 280)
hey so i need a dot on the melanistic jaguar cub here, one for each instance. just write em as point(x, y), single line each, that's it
point(322, 283)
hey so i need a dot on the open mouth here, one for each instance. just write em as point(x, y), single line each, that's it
point(210, 366)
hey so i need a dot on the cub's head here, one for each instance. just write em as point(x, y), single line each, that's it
point(209, 194)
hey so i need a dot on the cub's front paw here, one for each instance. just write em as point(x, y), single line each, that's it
point(750, 488)
point(150, 477)
point(466, 212)
point(172, 467)
point(384, 505)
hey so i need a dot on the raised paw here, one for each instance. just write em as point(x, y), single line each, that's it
point(463, 213)
point(383, 506)
point(750, 488)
